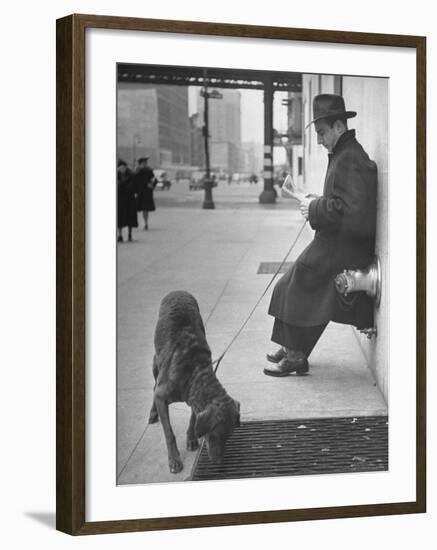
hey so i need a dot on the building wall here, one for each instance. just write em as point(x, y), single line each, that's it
point(369, 97)
point(153, 121)
point(137, 123)
point(224, 124)
point(224, 117)
point(294, 115)
point(197, 141)
point(252, 157)
point(315, 157)
point(297, 165)
point(174, 125)
point(220, 156)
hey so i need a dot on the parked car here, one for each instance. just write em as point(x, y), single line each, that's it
point(198, 179)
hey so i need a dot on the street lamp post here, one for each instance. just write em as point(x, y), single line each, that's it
point(208, 202)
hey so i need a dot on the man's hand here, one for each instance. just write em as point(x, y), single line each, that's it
point(304, 206)
point(292, 191)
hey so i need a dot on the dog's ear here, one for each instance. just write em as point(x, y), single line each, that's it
point(204, 422)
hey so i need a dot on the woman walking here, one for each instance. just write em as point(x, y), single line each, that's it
point(145, 183)
point(126, 201)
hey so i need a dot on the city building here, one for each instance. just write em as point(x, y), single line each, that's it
point(252, 158)
point(197, 141)
point(152, 120)
point(224, 129)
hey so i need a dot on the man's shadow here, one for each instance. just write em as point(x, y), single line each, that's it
point(46, 518)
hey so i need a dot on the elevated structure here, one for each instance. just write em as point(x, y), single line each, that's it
point(268, 81)
point(216, 77)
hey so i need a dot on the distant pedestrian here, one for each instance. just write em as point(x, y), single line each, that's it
point(126, 201)
point(145, 183)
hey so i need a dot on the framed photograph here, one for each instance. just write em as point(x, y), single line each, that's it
point(241, 275)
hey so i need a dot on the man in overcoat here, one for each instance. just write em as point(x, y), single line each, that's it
point(344, 219)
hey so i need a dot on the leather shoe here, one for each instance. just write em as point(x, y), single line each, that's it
point(295, 362)
point(277, 356)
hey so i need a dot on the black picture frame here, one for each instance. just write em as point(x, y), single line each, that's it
point(71, 253)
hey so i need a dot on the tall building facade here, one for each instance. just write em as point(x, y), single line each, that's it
point(224, 129)
point(153, 121)
point(253, 158)
point(197, 141)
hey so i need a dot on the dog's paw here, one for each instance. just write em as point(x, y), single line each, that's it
point(175, 465)
point(153, 417)
point(192, 444)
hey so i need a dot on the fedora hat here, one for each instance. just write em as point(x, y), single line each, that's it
point(142, 159)
point(329, 106)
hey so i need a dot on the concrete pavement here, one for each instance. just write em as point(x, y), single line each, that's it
point(215, 254)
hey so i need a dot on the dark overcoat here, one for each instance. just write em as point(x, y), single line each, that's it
point(126, 200)
point(344, 219)
point(145, 183)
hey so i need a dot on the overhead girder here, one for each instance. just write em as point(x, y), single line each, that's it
point(215, 77)
point(268, 81)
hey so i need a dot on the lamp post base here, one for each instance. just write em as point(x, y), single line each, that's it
point(268, 196)
point(208, 204)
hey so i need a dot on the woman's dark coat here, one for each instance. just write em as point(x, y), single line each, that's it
point(126, 200)
point(145, 183)
point(344, 219)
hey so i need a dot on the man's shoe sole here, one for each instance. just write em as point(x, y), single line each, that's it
point(299, 372)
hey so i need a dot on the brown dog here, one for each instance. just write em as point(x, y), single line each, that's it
point(183, 372)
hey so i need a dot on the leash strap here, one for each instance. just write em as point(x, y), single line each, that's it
point(259, 299)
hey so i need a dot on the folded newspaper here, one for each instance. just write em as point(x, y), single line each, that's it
point(290, 188)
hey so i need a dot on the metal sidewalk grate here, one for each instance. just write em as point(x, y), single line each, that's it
point(300, 447)
point(268, 268)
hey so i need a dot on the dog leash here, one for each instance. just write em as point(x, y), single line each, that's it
point(259, 299)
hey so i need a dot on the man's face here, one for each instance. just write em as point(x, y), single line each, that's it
point(326, 135)
point(122, 168)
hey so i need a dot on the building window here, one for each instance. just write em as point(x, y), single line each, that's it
point(299, 166)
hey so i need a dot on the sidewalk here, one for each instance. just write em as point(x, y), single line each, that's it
point(215, 255)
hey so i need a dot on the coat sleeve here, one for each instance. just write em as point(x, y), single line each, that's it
point(351, 206)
